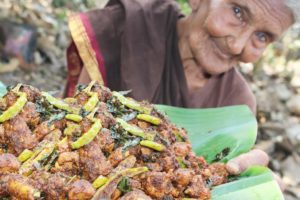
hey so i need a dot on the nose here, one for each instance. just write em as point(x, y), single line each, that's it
point(237, 43)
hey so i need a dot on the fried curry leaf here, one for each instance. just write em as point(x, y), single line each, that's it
point(124, 185)
point(129, 116)
point(130, 143)
point(120, 136)
point(116, 108)
point(56, 117)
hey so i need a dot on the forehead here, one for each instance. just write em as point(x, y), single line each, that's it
point(266, 14)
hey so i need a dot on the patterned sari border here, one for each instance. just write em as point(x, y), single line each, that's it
point(94, 43)
point(84, 46)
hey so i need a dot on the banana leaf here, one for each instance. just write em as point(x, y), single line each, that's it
point(2, 89)
point(256, 183)
point(220, 134)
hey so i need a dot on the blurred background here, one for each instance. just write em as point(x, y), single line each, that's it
point(34, 36)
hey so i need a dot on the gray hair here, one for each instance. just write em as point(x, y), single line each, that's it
point(294, 5)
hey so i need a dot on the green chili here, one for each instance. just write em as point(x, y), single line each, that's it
point(64, 140)
point(34, 161)
point(25, 155)
point(17, 88)
point(91, 115)
point(149, 118)
point(88, 136)
point(92, 102)
point(15, 109)
point(73, 117)
point(57, 102)
point(100, 181)
point(134, 130)
point(109, 187)
point(70, 100)
point(153, 145)
point(89, 87)
point(130, 103)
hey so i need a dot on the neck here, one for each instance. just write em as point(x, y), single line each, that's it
point(194, 73)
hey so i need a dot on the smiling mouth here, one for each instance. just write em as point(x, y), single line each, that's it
point(220, 53)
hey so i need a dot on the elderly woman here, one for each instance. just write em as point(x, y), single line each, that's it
point(151, 48)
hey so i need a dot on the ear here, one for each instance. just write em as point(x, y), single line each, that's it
point(194, 4)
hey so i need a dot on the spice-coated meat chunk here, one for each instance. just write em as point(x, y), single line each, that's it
point(93, 162)
point(56, 187)
point(197, 189)
point(19, 134)
point(10, 98)
point(135, 194)
point(42, 130)
point(81, 189)
point(183, 177)
point(32, 93)
point(105, 140)
point(8, 163)
point(30, 115)
point(3, 138)
point(219, 173)
point(68, 163)
point(157, 184)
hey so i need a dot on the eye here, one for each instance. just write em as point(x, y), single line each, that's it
point(262, 37)
point(238, 12)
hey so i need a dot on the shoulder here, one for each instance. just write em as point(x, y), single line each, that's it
point(151, 9)
point(239, 90)
point(152, 5)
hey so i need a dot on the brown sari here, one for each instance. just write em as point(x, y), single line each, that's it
point(133, 44)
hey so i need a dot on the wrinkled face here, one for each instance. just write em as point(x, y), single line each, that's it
point(223, 32)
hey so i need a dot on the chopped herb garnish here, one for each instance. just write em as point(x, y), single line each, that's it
point(56, 117)
point(124, 185)
point(130, 143)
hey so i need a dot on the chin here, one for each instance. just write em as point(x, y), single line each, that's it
point(216, 66)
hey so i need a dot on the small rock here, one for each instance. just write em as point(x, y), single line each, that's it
point(294, 105)
point(295, 191)
point(291, 171)
point(275, 164)
point(293, 133)
point(289, 197)
point(267, 146)
point(283, 92)
point(38, 58)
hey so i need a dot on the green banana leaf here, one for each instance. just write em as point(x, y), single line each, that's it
point(216, 133)
point(220, 134)
point(2, 89)
point(256, 183)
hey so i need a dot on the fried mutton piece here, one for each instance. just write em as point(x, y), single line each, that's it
point(93, 162)
point(19, 134)
point(8, 164)
point(135, 194)
point(21, 188)
point(81, 190)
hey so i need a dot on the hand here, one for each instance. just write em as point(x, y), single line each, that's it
point(254, 157)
